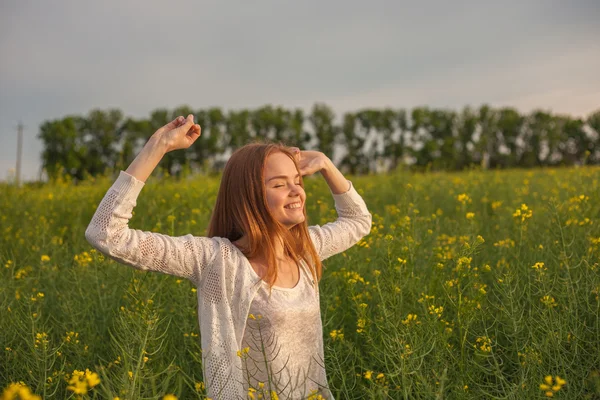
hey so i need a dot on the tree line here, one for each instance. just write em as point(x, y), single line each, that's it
point(365, 141)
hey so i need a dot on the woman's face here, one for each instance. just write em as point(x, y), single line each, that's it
point(285, 196)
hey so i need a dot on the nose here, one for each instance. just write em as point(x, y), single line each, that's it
point(296, 189)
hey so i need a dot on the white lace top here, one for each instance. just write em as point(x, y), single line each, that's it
point(227, 284)
point(284, 336)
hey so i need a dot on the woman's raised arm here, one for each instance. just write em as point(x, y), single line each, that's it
point(354, 219)
point(178, 134)
point(185, 256)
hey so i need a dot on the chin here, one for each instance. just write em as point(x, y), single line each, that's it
point(291, 224)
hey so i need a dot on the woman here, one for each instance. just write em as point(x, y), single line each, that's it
point(258, 269)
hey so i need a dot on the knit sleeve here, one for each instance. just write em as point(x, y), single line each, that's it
point(185, 256)
point(353, 223)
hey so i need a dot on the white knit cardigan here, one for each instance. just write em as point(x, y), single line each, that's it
point(224, 277)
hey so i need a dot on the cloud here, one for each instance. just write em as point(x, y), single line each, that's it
point(68, 57)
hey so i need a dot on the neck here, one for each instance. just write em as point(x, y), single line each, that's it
point(243, 243)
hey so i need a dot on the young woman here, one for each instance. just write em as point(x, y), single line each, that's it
point(257, 270)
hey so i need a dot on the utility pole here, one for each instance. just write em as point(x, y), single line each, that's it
point(19, 150)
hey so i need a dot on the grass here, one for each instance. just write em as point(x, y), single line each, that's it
point(471, 285)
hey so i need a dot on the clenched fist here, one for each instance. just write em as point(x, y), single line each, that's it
point(180, 133)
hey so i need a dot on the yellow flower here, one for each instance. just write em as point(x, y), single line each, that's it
point(560, 381)
point(551, 386)
point(360, 325)
point(470, 215)
point(336, 334)
point(368, 374)
point(18, 391)
point(549, 301)
point(169, 397)
point(45, 258)
point(243, 351)
point(484, 344)
point(92, 378)
point(463, 198)
point(523, 213)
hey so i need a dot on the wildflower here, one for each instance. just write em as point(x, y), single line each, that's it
point(484, 344)
point(470, 215)
point(169, 397)
point(464, 198)
point(538, 266)
point(242, 352)
point(41, 339)
point(19, 390)
point(433, 310)
point(199, 386)
point(45, 258)
point(551, 386)
point(523, 213)
point(548, 301)
point(81, 381)
point(361, 325)
point(83, 259)
point(368, 375)
point(336, 334)
point(411, 318)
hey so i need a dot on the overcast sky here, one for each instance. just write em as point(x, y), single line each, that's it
point(68, 57)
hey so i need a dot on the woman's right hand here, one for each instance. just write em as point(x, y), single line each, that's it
point(180, 133)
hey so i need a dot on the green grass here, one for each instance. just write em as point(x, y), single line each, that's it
point(490, 322)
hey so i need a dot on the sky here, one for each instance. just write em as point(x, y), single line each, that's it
point(68, 57)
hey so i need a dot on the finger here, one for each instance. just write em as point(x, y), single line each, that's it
point(296, 152)
point(187, 123)
point(172, 125)
point(194, 134)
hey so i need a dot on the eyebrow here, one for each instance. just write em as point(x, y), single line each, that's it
point(281, 177)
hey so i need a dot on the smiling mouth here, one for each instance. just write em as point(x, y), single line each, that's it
point(296, 206)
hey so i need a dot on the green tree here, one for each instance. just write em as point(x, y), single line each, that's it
point(592, 144)
point(101, 135)
point(487, 145)
point(466, 128)
point(354, 160)
point(238, 129)
point(64, 151)
point(510, 128)
point(213, 140)
point(322, 120)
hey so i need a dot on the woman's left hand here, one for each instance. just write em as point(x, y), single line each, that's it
point(309, 161)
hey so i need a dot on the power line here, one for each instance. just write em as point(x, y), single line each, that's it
point(19, 151)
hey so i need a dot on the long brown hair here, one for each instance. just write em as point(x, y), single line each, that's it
point(241, 208)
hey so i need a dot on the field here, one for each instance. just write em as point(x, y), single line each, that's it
point(470, 285)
